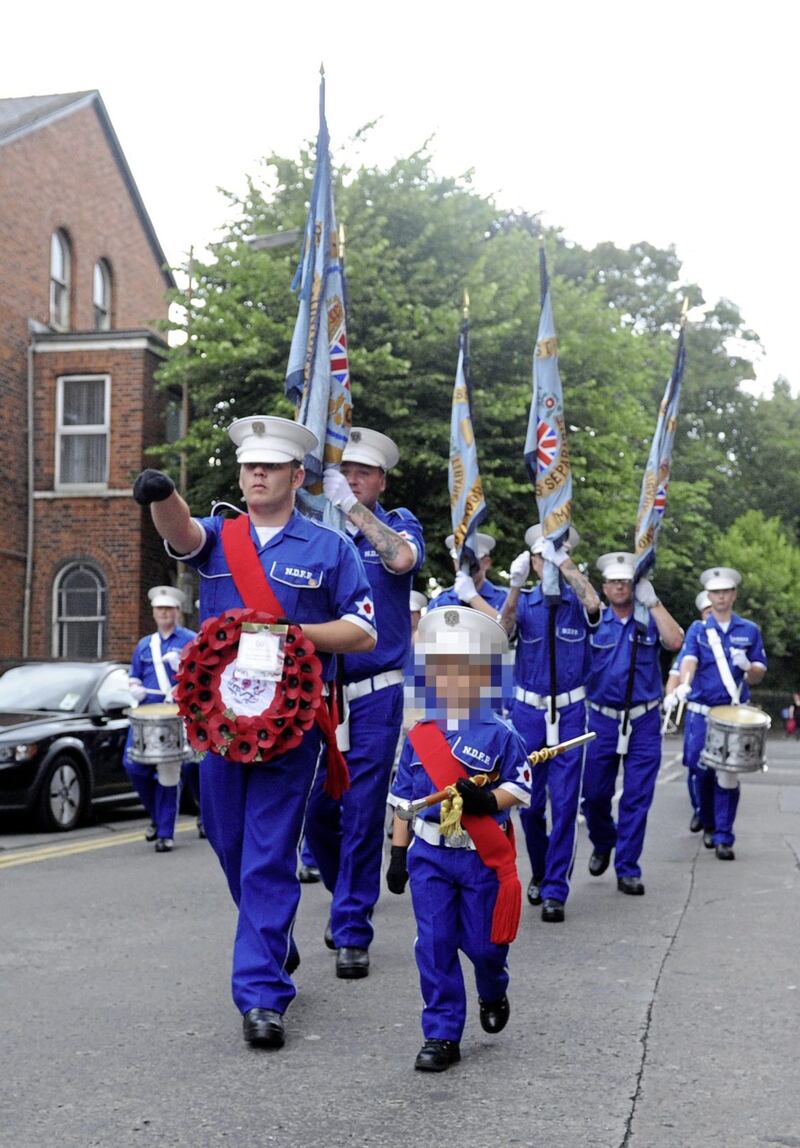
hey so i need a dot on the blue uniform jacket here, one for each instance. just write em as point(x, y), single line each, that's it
point(532, 664)
point(707, 686)
point(610, 646)
point(142, 666)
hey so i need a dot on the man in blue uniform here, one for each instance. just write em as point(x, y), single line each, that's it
point(254, 814)
point(152, 676)
point(723, 656)
point(671, 699)
point(623, 686)
point(346, 837)
point(467, 586)
point(549, 707)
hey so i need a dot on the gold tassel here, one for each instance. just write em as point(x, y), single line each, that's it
point(450, 813)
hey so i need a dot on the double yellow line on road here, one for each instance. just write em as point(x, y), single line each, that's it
point(56, 852)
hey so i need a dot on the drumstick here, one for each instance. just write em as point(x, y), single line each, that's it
point(679, 715)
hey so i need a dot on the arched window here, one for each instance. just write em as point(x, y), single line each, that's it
point(79, 612)
point(59, 280)
point(101, 295)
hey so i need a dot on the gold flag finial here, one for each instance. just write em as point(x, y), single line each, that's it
point(321, 68)
point(341, 242)
point(466, 305)
point(684, 310)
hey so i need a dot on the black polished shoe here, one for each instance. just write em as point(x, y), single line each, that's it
point(151, 832)
point(708, 838)
point(725, 853)
point(293, 960)
point(352, 964)
point(494, 1014)
point(164, 844)
point(329, 941)
point(695, 825)
point(437, 1055)
point(309, 875)
point(552, 910)
point(534, 891)
point(630, 885)
point(201, 829)
point(598, 863)
point(263, 1028)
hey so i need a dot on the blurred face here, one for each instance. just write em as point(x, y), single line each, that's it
point(166, 618)
point(618, 592)
point(722, 601)
point(366, 482)
point(705, 612)
point(268, 487)
point(458, 681)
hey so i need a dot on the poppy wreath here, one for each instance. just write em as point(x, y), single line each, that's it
point(211, 726)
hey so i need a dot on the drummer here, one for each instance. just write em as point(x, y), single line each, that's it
point(703, 606)
point(723, 656)
point(152, 676)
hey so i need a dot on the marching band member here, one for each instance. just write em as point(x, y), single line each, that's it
point(253, 814)
point(703, 605)
point(623, 686)
point(346, 837)
point(722, 657)
point(467, 586)
point(464, 886)
point(152, 676)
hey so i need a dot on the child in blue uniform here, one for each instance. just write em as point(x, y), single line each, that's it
point(465, 889)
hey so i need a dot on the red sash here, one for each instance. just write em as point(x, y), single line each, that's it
point(255, 591)
point(495, 848)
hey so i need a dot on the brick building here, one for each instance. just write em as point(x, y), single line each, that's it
point(82, 290)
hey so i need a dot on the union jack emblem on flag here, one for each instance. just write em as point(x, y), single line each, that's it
point(660, 500)
point(546, 446)
point(340, 368)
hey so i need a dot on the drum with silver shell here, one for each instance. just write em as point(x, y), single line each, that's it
point(159, 739)
point(736, 739)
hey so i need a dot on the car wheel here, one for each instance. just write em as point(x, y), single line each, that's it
point(63, 796)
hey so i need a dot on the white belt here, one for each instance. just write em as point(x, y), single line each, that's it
point(542, 701)
point(633, 714)
point(429, 831)
point(696, 708)
point(353, 690)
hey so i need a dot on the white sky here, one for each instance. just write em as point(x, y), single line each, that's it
point(668, 122)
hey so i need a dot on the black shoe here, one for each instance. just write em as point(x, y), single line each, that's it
point(352, 964)
point(630, 885)
point(151, 832)
point(164, 844)
point(437, 1055)
point(725, 853)
point(293, 960)
point(534, 891)
point(308, 875)
point(329, 941)
point(708, 838)
point(201, 829)
point(494, 1014)
point(263, 1028)
point(598, 863)
point(695, 825)
point(552, 910)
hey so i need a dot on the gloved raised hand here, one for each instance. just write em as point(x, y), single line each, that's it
point(550, 554)
point(670, 702)
point(465, 587)
point(683, 690)
point(136, 689)
point(477, 800)
point(520, 570)
point(397, 873)
point(740, 659)
point(152, 486)
point(173, 659)
point(646, 594)
point(338, 489)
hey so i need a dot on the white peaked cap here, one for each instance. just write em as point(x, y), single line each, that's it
point(535, 542)
point(372, 448)
point(720, 578)
point(417, 601)
point(265, 438)
point(165, 596)
point(702, 601)
point(618, 566)
point(485, 544)
point(460, 630)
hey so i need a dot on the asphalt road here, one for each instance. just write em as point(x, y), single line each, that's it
point(668, 1020)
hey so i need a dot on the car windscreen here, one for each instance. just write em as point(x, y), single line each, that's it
point(46, 687)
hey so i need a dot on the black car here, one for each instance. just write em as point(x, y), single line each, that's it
point(62, 735)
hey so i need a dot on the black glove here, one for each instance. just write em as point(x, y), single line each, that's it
point(397, 873)
point(477, 800)
point(152, 486)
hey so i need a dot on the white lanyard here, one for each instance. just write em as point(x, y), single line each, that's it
point(715, 642)
point(158, 665)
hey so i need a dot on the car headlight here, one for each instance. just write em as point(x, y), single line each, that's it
point(25, 751)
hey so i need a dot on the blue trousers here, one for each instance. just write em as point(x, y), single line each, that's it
point(453, 894)
point(347, 838)
point(160, 801)
point(552, 856)
point(717, 806)
point(640, 770)
point(253, 817)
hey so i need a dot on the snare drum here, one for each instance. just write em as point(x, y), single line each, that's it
point(159, 740)
point(736, 739)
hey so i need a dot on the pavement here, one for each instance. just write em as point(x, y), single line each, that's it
point(641, 1022)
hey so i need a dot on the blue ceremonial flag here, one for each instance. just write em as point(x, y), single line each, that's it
point(318, 374)
point(546, 454)
point(653, 499)
point(467, 504)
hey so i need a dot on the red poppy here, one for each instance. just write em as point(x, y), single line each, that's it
point(243, 749)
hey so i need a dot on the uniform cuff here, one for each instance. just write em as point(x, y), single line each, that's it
point(194, 553)
point(366, 626)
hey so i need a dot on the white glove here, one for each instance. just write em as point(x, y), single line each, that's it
point(740, 659)
point(520, 569)
point(337, 489)
point(670, 702)
point(645, 593)
point(682, 691)
point(173, 659)
point(550, 554)
point(137, 690)
point(465, 587)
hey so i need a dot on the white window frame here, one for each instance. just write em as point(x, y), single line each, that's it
point(102, 266)
point(84, 429)
point(100, 619)
point(60, 322)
